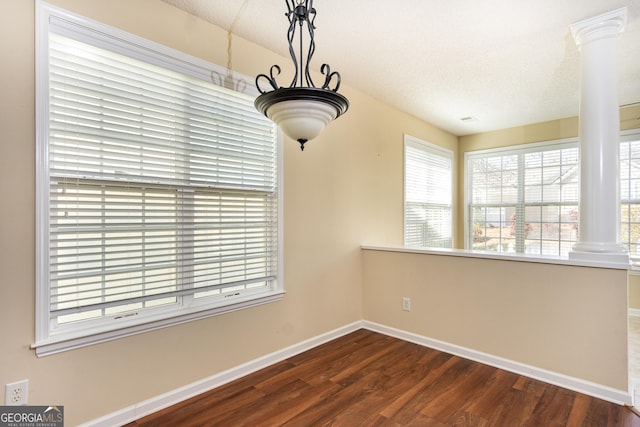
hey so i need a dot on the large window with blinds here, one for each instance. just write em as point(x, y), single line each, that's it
point(428, 189)
point(523, 199)
point(158, 191)
point(630, 193)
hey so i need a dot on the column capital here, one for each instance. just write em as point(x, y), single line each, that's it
point(607, 25)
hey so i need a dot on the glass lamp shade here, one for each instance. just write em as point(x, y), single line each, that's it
point(301, 120)
point(302, 113)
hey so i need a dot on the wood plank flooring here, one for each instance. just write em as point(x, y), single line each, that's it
point(369, 379)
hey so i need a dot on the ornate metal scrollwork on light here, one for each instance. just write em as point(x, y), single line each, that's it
point(302, 109)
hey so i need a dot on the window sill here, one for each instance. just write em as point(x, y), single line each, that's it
point(498, 256)
point(58, 344)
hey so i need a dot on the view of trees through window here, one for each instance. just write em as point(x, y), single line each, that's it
point(525, 200)
point(630, 194)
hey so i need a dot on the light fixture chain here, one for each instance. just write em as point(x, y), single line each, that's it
point(291, 33)
point(310, 18)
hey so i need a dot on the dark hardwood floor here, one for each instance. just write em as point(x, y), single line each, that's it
point(369, 379)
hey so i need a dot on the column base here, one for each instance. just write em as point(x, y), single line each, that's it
point(619, 258)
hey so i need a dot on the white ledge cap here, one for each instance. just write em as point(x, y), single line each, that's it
point(598, 263)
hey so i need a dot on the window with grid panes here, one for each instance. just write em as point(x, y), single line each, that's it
point(523, 199)
point(428, 186)
point(158, 191)
point(630, 193)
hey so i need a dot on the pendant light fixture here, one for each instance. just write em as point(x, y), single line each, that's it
point(301, 110)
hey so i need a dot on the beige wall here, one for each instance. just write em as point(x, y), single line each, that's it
point(634, 291)
point(343, 190)
point(565, 319)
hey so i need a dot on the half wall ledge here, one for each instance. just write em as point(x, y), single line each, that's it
point(597, 263)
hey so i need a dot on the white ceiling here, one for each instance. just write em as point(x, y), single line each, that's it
point(505, 63)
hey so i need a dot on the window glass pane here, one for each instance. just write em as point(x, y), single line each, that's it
point(102, 255)
point(526, 192)
point(630, 194)
point(493, 229)
point(533, 222)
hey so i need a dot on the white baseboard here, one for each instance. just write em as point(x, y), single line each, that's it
point(599, 391)
point(634, 312)
point(157, 403)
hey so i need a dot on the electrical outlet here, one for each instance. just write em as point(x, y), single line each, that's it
point(16, 394)
point(406, 304)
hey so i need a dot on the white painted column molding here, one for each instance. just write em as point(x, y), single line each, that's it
point(599, 235)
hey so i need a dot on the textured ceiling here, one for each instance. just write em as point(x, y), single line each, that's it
point(505, 63)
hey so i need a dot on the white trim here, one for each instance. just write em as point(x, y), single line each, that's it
point(526, 147)
point(518, 257)
point(162, 401)
point(635, 312)
point(85, 29)
point(42, 295)
point(57, 344)
point(428, 146)
point(629, 135)
point(599, 391)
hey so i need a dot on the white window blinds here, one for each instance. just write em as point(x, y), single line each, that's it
point(162, 187)
point(428, 195)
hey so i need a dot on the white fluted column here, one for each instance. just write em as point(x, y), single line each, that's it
point(599, 235)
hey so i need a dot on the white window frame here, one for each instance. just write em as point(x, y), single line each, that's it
point(505, 151)
point(430, 150)
point(47, 341)
point(632, 135)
